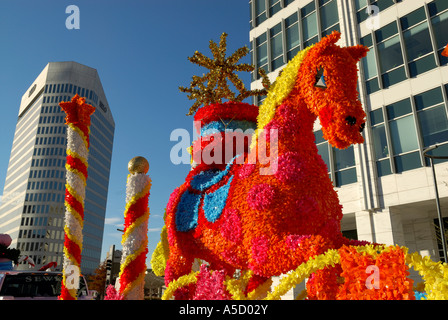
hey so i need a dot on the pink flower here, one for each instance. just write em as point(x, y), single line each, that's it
point(210, 285)
point(246, 170)
point(231, 227)
point(260, 197)
point(288, 167)
point(293, 241)
point(112, 294)
point(260, 246)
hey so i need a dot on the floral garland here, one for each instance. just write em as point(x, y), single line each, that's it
point(435, 275)
point(392, 262)
point(179, 283)
point(161, 254)
point(78, 130)
point(135, 236)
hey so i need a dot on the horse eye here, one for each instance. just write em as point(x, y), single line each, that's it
point(320, 79)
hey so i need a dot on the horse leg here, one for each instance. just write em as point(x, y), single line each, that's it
point(179, 263)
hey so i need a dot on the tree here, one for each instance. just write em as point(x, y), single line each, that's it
point(97, 281)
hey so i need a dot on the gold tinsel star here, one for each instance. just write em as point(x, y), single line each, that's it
point(212, 87)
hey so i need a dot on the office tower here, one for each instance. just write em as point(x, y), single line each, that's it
point(32, 209)
point(385, 185)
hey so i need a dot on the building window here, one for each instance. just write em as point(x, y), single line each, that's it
point(402, 130)
point(417, 40)
point(309, 24)
point(260, 11)
point(432, 119)
point(274, 7)
point(390, 55)
point(276, 44)
point(261, 54)
point(292, 36)
point(340, 163)
point(370, 66)
point(438, 11)
point(345, 171)
point(363, 10)
point(403, 136)
point(328, 17)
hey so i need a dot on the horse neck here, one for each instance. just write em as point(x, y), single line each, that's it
point(295, 126)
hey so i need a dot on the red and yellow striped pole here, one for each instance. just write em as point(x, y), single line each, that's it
point(78, 129)
point(135, 237)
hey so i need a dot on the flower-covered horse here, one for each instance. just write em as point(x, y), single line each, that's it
point(271, 217)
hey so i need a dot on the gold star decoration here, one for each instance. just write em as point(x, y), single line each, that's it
point(212, 87)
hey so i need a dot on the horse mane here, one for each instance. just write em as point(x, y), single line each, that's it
point(279, 91)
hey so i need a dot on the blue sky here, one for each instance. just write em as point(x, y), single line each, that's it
point(140, 49)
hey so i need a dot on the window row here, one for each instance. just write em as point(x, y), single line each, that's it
point(97, 179)
point(33, 234)
point(72, 89)
point(402, 130)
point(407, 47)
point(364, 7)
point(56, 99)
point(104, 133)
point(98, 166)
point(33, 221)
point(36, 208)
point(49, 152)
point(36, 174)
point(99, 152)
point(340, 163)
point(46, 185)
point(279, 44)
point(51, 119)
point(51, 129)
point(99, 199)
point(48, 162)
point(50, 140)
point(261, 10)
point(51, 109)
point(43, 197)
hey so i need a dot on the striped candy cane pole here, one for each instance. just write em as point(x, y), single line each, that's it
point(78, 128)
point(135, 237)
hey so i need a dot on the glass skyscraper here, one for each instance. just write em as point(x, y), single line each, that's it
point(32, 208)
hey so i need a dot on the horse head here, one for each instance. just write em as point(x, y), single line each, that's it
point(327, 81)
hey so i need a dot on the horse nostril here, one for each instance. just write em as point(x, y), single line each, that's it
point(351, 120)
point(362, 126)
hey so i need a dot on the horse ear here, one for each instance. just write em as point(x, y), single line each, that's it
point(358, 51)
point(333, 37)
point(327, 41)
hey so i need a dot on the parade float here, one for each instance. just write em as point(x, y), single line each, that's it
point(268, 208)
point(257, 202)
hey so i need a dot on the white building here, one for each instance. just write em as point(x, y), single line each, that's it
point(385, 185)
point(32, 208)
